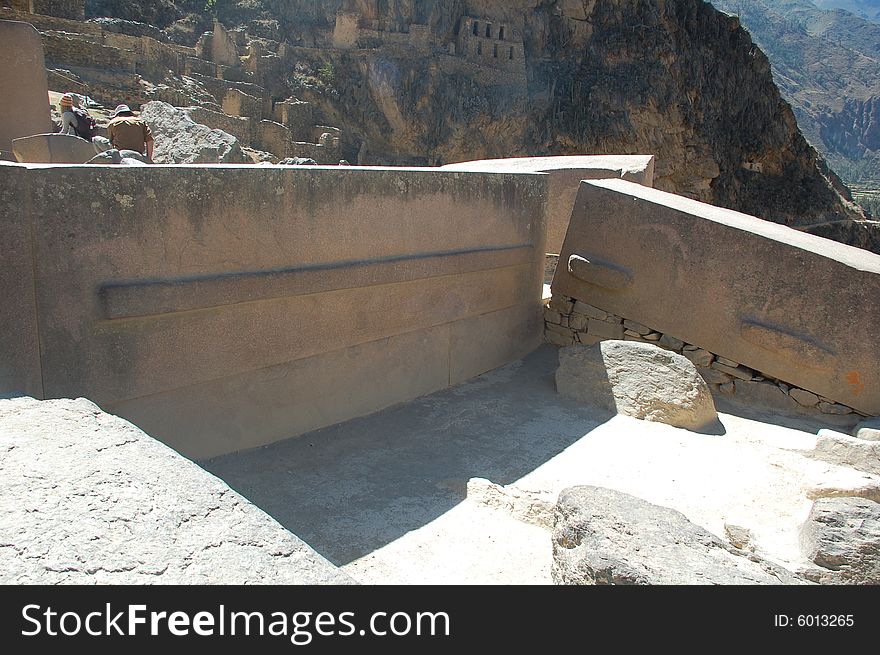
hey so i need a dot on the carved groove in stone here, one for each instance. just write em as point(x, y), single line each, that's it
point(139, 298)
point(599, 273)
point(800, 349)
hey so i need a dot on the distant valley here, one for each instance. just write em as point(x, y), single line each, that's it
point(826, 63)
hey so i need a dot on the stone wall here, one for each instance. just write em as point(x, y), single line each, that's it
point(62, 49)
point(25, 107)
point(490, 43)
point(219, 87)
point(56, 23)
point(273, 137)
point(239, 103)
point(755, 296)
point(569, 321)
point(565, 175)
point(151, 57)
point(296, 115)
point(319, 152)
point(226, 307)
point(241, 128)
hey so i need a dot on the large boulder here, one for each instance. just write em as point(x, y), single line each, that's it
point(602, 536)
point(637, 379)
point(843, 535)
point(88, 498)
point(180, 140)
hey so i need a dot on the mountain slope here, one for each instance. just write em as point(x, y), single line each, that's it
point(827, 65)
point(867, 9)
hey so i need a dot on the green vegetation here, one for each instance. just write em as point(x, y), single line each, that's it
point(327, 73)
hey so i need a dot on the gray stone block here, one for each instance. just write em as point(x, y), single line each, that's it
point(739, 372)
point(841, 449)
point(602, 536)
point(604, 330)
point(869, 429)
point(803, 397)
point(639, 380)
point(843, 535)
point(87, 498)
point(699, 357)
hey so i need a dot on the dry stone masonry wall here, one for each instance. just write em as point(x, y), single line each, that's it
point(569, 321)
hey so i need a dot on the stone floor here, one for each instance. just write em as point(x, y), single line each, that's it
point(458, 486)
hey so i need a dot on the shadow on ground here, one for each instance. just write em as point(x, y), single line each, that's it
point(806, 421)
point(352, 488)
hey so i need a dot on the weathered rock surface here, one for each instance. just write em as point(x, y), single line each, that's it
point(843, 534)
point(637, 379)
point(841, 449)
point(869, 429)
point(180, 140)
point(297, 161)
point(88, 498)
point(602, 536)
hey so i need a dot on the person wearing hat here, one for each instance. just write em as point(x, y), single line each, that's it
point(76, 122)
point(68, 118)
point(128, 132)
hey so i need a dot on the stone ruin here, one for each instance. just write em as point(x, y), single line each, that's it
point(223, 81)
point(90, 59)
point(314, 283)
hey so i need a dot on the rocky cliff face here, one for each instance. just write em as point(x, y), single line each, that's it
point(676, 79)
point(825, 63)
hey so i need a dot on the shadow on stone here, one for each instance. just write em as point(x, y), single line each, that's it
point(352, 488)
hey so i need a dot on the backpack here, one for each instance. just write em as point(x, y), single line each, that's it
point(86, 127)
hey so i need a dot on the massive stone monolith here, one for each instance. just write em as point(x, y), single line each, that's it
point(25, 107)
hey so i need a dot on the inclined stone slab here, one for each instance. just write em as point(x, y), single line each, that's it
point(602, 536)
point(843, 534)
point(87, 498)
point(639, 380)
point(792, 305)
